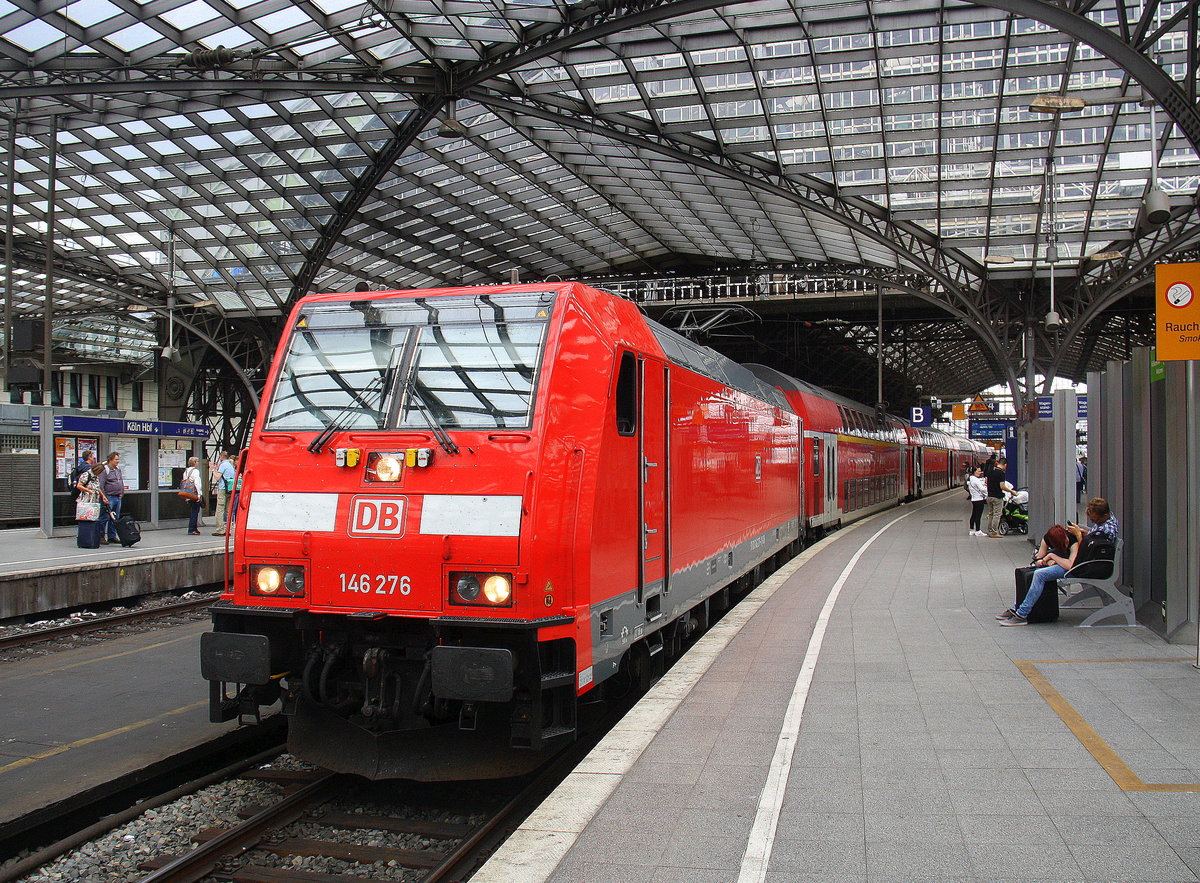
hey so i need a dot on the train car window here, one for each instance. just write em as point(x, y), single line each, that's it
point(627, 395)
point(459, 362)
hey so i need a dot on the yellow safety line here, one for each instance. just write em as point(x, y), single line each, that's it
point(1109, 760)
point(34, 758)
point(95, 659)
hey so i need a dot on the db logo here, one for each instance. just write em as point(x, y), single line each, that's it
point(375, 516)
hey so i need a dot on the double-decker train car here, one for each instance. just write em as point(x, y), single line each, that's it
point(464, 511)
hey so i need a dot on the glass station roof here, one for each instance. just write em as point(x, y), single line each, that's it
point(288, 147)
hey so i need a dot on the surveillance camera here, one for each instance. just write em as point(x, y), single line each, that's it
point(1053, 321)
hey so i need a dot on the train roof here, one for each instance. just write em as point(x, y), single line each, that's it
point(711, 363)
point(786, 382)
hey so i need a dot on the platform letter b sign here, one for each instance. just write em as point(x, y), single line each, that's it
point(920, 416)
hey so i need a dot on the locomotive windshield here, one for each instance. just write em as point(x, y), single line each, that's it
point(457, 362)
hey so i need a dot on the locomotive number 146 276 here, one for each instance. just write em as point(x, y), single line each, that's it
point(375, 583)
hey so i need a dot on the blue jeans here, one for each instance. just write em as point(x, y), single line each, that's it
point(1040, 578)
point(193, 516)
point(114, 511)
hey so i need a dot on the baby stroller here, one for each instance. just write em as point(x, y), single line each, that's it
point(1014, 517)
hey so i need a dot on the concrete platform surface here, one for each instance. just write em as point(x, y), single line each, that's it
point(863, 717)
point(26, 550)
point(40, 575)
point(80, 718)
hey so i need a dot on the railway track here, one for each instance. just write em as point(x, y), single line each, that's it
point(388, 839)
point(24, 639)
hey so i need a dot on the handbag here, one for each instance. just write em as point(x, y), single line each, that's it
point(87, 509)
point(188, 490)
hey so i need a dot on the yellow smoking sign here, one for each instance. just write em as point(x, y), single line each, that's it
point(1177, 311)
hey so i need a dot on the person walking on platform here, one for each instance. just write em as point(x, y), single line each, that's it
point(112, 483)
point(977, 489)
point(223, 479)
point(1052, 566)
point(995, 496)
point(192, 474)
point(1080, 479)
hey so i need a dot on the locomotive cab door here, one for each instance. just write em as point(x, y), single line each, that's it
point(652, 488)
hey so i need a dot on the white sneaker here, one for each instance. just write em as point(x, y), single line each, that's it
point(978, 533)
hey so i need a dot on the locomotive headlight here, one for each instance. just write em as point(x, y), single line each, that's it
point(497, 588)
point(481, 589)
point(277, 580)
point(467, 588)
point(269, 581)
point(385, 467)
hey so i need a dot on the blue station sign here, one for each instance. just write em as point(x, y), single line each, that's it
point(115, 426)
point(992, 429)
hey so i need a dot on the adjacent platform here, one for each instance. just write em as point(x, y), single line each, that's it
point(78, 719)
point(862, 717)
point(38, 575)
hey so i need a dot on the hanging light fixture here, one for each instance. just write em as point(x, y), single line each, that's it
point(1156, 207)
point(170, 351)
point(1053, 321)
point(451, 126)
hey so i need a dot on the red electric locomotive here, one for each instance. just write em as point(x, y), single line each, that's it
point(463, 509)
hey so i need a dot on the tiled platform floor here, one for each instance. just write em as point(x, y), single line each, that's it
point(923, 751)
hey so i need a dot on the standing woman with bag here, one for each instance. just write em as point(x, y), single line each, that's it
point(977, 491)
point(189, 487)
point(87, 507)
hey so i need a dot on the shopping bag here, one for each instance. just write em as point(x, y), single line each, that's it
point(87, 509)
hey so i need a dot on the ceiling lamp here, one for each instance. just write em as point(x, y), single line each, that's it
point(1156, 207)
point(451, 127)
point(170, 351)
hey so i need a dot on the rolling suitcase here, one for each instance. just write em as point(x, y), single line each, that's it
point(89, 535)
point(128, 530)
point(1046, 607)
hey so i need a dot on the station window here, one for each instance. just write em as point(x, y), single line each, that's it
point(627, 395)
point(93, 399)
point(138, 393)
point(76, 391)
point(110, 392)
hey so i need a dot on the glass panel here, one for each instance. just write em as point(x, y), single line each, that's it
point(462, 362)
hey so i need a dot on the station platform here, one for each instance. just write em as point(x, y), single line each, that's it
point(80, 719)
point(861, 716)
point(40, 575)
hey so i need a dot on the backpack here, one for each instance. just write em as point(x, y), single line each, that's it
point(1097, 549)
point(76, 474)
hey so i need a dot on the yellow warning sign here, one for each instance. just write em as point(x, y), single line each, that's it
point(979, 406)
point(959, 411)
point(1177, 311)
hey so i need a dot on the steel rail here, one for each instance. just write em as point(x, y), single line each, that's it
point(198, 863)
point(91, 625)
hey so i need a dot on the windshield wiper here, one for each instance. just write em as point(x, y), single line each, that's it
point(377, 388)
point(443, 437)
